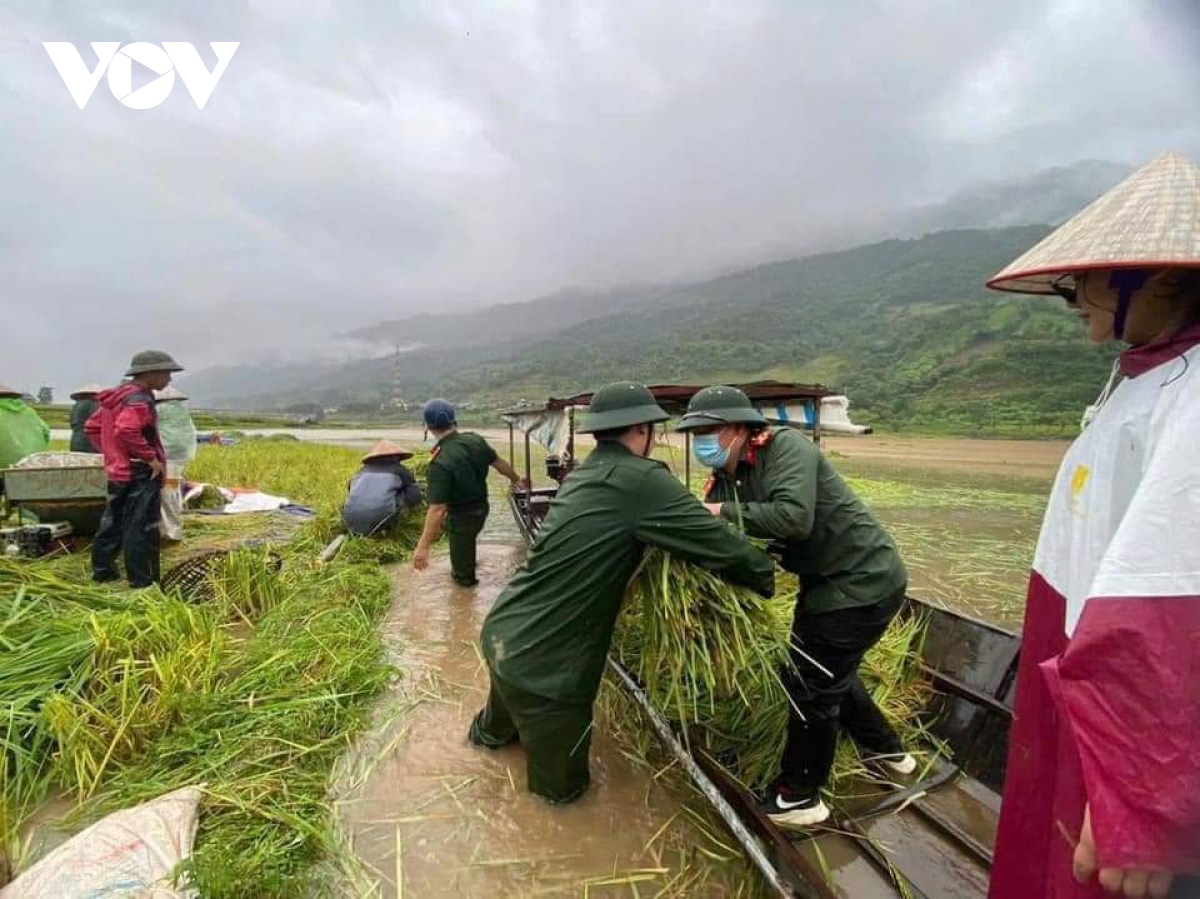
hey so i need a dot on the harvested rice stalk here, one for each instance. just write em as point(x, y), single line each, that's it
point(711, 656)
point(265, 739)
point(54, 589)
point(145, 692)
point(245, 584)
point(147, 670)
point(42, 648)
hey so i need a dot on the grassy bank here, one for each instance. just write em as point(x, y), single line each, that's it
point(252, 685)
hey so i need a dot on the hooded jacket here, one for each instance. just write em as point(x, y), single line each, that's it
point(125, 428)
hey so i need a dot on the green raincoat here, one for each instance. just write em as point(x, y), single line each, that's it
point(22, 432)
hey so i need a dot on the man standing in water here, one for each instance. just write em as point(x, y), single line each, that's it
point(546, 638)
point(458, 491)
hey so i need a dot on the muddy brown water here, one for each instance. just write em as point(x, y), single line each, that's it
point(441, 817)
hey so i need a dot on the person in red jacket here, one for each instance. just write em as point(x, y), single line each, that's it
point(125, 427)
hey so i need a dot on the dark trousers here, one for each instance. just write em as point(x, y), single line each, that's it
point(129, 526)
point(838, 641)
point(556, 737)
point(462, 530)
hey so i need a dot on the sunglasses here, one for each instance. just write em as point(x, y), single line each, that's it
point(1067, 287)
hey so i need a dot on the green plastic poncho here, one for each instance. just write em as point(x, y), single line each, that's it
point(177, 431)
point(22, 432)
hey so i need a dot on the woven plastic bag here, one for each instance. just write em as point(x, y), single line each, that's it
point(132, 852)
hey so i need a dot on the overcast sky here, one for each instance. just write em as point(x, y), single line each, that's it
point(371, 159)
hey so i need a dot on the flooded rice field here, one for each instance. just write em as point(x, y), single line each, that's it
point(964, 512)
point(436, 816)
point(431, 815)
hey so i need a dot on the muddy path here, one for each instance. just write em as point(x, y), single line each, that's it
point(441, 817)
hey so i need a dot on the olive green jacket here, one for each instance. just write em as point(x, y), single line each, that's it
point(549, 631)
point(786, 491)
point(80, 413)
point(458, 471)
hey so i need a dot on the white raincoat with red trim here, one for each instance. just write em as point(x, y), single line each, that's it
point(1108, 698)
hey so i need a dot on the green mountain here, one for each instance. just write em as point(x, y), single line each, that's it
point(509, 322)
point(904, 327)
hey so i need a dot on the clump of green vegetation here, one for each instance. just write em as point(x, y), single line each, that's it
point(264, 742)
point(712, 655)
point(251, 687)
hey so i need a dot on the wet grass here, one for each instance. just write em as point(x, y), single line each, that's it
point(253, 688)
point(967, 539)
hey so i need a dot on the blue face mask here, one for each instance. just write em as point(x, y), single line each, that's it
point(708, 450)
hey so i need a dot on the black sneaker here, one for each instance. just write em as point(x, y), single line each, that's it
point(795, 811)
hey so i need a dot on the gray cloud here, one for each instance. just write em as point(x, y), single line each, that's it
point(368, 160)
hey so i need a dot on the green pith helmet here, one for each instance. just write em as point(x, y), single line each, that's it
point(621, 405)
point(719, 405)
point(152, 360)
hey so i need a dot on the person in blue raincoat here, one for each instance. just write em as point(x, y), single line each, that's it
point(381, 492)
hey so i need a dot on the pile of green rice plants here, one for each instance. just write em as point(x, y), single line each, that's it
point(712, 657)
point(264, 741)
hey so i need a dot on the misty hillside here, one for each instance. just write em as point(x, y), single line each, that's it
point(508, 322)
point(905, 326)
point(1048, 197)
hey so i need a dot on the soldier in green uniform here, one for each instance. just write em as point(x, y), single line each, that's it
point(546, 638)
point(458, 491)
point(778, 485)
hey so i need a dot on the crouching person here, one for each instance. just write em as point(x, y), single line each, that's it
point(381, 492)
point(546, 638)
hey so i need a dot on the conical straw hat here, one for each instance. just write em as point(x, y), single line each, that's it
point(385, 449)
point(1149, 220)
point(7, 391)
point(86, 390)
